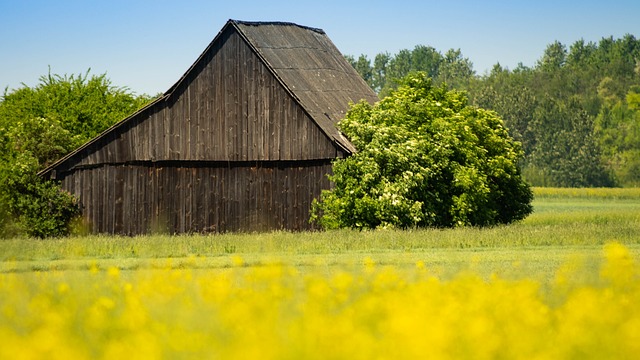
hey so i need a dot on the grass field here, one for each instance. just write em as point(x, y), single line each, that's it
point(563, 283)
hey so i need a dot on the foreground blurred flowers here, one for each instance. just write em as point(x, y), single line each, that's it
point(363, 311)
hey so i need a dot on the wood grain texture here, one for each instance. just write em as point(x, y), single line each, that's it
point(200, 198)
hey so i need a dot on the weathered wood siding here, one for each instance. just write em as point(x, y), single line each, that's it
point(199, 197)
point(229, 108)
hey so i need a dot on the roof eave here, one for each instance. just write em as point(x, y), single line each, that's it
point(46, 171)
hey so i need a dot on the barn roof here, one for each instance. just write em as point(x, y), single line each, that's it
point(312, 68)
point(307, 64)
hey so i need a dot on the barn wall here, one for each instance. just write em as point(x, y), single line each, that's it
point(230, 107)
point(198, 197)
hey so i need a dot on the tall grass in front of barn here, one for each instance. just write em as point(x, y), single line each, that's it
point(561, 217)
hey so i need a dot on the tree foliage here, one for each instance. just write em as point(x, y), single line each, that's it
point(425, 157)
point(38, 208)
point(617, 129)
point(39, 125)
point(387, 69)
point(567, 153)
point(62, 113)
point(575, 111)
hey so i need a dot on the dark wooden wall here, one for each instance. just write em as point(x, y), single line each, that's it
point(199, 197)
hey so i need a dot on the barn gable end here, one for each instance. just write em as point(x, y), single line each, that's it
point(240, 142)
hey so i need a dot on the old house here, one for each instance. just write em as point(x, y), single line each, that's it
point(243, 141)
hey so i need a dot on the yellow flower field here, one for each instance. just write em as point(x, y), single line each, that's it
point(359, 311)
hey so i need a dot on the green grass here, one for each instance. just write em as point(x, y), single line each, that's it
point(566, 223)
point(588, 193)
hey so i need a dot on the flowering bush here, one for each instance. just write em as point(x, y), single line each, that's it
point(425, 158)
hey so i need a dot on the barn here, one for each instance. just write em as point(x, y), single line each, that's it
point(243, 141)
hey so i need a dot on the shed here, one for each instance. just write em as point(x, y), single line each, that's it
point(243, 141)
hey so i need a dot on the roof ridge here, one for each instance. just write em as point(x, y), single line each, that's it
point(280, 23)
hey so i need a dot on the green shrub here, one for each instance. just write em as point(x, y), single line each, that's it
point(424, 158)
point(33, 206)
point(41, 124)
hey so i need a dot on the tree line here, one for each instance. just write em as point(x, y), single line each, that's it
point(576, 112)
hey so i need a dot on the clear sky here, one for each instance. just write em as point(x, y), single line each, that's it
point(147, 45)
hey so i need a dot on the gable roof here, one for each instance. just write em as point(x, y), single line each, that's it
point(312, 68)
point(309, 66)
point(306, 63)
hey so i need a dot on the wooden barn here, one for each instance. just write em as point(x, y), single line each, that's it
point(242, 142)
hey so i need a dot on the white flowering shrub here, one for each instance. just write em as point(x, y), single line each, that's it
point(425, 158)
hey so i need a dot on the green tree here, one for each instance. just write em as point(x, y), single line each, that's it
point(363, 67)
point(554, 58)
point(399, 66)
point(81, 104)
point(567, 152)
point(592, 78)
point(508, 93)
point(455, 70)
point(39, 125)
point(581, 54)
point(426, 59)
point(551, 109)
point(617, 128)
point(425, 157)
point(380, 71)
point(422, 58)
point(33, 206)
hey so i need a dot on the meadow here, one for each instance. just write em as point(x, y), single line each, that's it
point(563, 283)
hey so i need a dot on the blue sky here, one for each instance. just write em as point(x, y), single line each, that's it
point(147, 45)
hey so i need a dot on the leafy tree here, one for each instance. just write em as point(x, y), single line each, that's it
point(426, 59)
point(363, 67)
point(425, 157)
point(379, 73)
point(617, 128)
point(82, 106)
point(43, 138)
point(580, 54)
point(398, 66)
point(40, 124)
point(451, 68)
point(455, 70)
point(554, 57)
point(38, 208)
point(508, 94)
point(567, 150)
point(608, 90)
point(566, 91)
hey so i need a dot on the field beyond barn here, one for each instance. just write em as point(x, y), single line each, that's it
point(564, 283)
